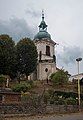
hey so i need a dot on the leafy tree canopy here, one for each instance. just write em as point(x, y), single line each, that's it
point(26, 56)
point(7, 55)
point(60, 77)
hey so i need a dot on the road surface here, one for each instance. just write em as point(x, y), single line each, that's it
point(73, 116)
point(78, 116)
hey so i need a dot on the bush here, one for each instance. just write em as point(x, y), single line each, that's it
point(60, 77)
point(30, 82)
point(51, 92)
point(51, 101)
point(22, 87)
point(56, 102)
point(67, 94)
point(52, 75)
point(61, 101)
point(70, 101)
point(2, 78)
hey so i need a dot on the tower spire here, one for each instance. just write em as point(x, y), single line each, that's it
point(42, 15)
point(43, 25)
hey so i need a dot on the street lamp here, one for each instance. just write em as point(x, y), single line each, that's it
point(78, 60)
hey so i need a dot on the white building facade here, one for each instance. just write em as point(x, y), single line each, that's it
point(46, 64)
point(75, 77)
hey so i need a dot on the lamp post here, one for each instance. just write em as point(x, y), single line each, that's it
point(78, 60)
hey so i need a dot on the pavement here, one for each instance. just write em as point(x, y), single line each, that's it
point(76, 116)
point(71, 116)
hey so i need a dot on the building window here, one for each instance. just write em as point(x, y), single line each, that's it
point(40, 55)
point(48, 50)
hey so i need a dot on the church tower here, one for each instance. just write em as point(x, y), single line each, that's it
point(46, 52)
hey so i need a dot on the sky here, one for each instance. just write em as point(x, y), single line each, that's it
point(20, 18)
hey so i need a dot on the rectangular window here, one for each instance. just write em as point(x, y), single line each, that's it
point(48, 50)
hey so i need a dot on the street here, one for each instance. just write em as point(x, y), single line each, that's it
point(71, 116)
point(78, 116)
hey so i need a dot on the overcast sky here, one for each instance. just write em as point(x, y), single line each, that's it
point(20, 18)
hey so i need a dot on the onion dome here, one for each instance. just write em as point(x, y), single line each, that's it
point(42, 30)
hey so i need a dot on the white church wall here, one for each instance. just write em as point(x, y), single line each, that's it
point(41, 46)
point(42, 74)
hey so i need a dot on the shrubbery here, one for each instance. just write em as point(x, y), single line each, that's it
point(22, 87)
point(62, 98)
point(60, 77)
point(66, 94)
point(70, 101)
point(2, 78)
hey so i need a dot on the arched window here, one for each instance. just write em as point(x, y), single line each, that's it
point(48, 50)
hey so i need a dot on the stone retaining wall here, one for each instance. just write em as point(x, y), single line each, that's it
point(42, 109)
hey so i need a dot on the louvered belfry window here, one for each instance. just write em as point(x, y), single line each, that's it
point(47, 50)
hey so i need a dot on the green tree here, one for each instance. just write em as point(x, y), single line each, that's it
point(7, 56)
point(60, 77)
point(26, 56)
